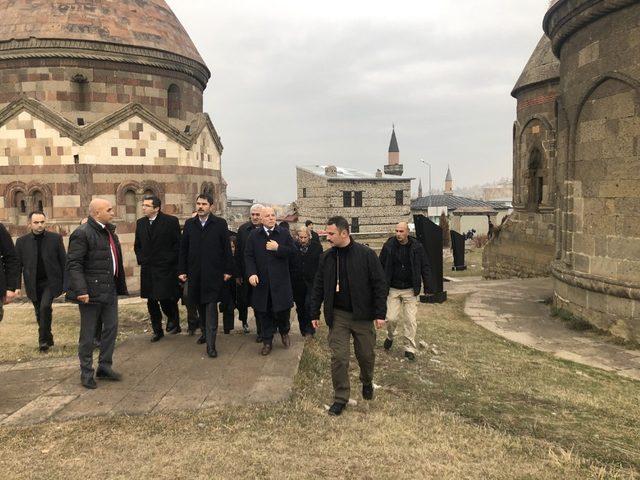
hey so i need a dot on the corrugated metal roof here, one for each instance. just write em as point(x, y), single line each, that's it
point(452, 202)
point(349, 174)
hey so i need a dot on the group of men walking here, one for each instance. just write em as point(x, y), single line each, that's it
point(261, 266)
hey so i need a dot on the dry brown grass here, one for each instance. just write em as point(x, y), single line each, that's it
point(473, 261)
point(19, 330)
point(488, 410)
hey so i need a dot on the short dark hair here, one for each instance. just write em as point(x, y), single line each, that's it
point(155, 201)
point(340, 223)
point(307, 223)
point(36, 212)
point(206, 197)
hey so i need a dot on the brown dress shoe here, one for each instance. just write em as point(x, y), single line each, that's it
point(266, 349)
point(286, 340)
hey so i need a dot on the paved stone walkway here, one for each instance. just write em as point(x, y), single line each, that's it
point(174, 374)
point(515, 309)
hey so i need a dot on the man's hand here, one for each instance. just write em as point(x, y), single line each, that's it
point(227, 277)
point(10, 295)
point(380, 323)
point(315, 323)
point(254, 280)
point(272, 245)
point(183, 277)
point(83, 299)
point(238, 281)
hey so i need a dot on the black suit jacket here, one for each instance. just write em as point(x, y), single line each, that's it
point(272, 269)
point(10, 265)
point(157, 247)
point(54, 258)
point(205, 257)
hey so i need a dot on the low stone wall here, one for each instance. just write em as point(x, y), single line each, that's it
point(523, 247)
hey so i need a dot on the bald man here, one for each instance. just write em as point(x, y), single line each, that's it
point(96, 278)
point(406, 267)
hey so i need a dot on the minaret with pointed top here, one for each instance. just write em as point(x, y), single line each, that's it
point(448, 183)
point(420, 189)
point(394, 167)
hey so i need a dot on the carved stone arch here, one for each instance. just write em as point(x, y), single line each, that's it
point(15, 198)
point(600, 80)
point(124, 187)
point(542, 119)
point(47, 196)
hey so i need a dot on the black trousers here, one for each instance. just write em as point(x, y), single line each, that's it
point(243, 300)
point(193, 319)
point(208, 314)
point(44, 313)
point(302, 298)
point(157, 308)
point(90, 315)
point(271, 322)
point(228, 305)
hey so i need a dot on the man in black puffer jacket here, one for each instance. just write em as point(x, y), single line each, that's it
point(96, 278)
point(406, 267)
point(351, 283)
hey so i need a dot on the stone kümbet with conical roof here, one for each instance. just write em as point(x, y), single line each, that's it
point(543, 66)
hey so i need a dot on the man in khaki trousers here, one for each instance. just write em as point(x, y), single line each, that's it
point(406, 268)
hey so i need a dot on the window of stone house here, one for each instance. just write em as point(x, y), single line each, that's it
point(130, 203)
point(536, 179)
point(357, 199)
point(174, 101)
point(37, 201)
point(347, 199)
point(399, 197)
point(355, 225)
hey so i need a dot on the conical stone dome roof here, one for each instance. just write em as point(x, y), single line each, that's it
point(542, 66)
point(132, 27)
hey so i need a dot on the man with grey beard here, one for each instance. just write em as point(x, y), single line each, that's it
point(244, 288)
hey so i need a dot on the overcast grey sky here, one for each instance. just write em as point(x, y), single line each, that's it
point(297, 83)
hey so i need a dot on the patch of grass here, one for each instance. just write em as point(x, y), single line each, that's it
point(473, 261)
point(19, 330)
point(473, 407)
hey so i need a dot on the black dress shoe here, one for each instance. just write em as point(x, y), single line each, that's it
point(227, 332)
point(201, 340)
point(174, 330)
point(336, 409)
point(387, 344)
point(367, 391)
point(157, 337)
point(212, 353)
point(258, 339)
point(266, 349)
point(245, 328)
point(89, 383)
point(44, 347)
point(50, 342)
point(410, 356)
point(286, 340)
point(190, 332)
point(108, 374)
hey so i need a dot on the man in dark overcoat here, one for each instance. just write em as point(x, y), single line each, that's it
point(42, 261)
point(157, 245)
point(244, 289)
point(303, 273)
point(268, 252)
point(9, 270)
point(206, 262)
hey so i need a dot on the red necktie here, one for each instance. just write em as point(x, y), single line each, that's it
point(114, 250)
